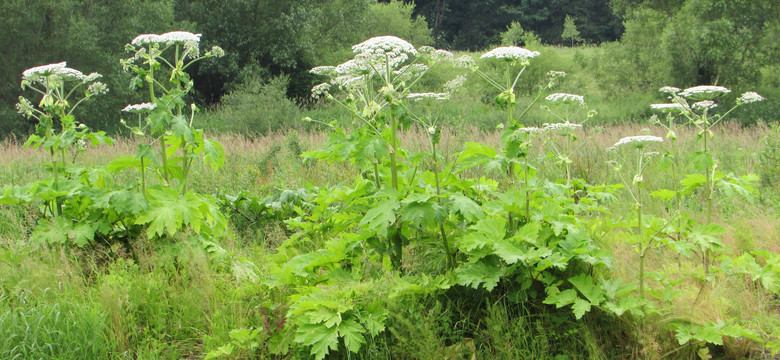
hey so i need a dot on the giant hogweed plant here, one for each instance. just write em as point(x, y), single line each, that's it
point(85, 204)
point(333, 262)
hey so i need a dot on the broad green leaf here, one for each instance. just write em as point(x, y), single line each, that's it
point(693, 181)
point(508, 252)
point(584, 283)
point(52, 230)
point(484, 272)
point(470, 210)
point(322, 339)
point(664, 194)
point(381, 216)
point(580, 307)
point(82, 233)
point(352, 333)
point(562, 298)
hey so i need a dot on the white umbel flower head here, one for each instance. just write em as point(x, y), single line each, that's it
point(323, 70)
point(668, 108)
point(704, 92)
point(553, 74)
point(382, 49)
point(529, 130)
point(139, 108)
point(669, 90)
point(428, 95)
point(749, 97)
point(144, 39)
point(180, 37)
point(320, 90)
point(511, 53)
point(465, 62)
point(704, 105)
point(455, 84)
point(43, 70)
point(561, 128)
point(563, 98)
point(638, 142)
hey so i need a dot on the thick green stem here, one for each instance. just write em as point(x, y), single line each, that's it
point(396, 242)
point(527, 193)
point(163, 153)
point(708, 193)
point(641, 249)
point(55, 208)
point(451, 259)
point(143, 177)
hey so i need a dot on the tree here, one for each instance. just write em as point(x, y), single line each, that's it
point(570, 31)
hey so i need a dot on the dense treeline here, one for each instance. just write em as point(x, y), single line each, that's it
point(675, 42)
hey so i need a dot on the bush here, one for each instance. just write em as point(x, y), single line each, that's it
point(255, 107)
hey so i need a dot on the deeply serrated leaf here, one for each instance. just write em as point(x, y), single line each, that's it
point(381, 216)
point(352, 333)
point(584, 283)
point(320, 338)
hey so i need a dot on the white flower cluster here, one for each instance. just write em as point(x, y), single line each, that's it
point(323, 70)
point(428, 95)
point(383, 49)
point(530, 130)
point(410, 71)
point(673, 107)
point(59, 70)
point(638, 141)
point(704, 105)
point(556, 74)
point(749, 97)
point(169, 37)
point(704, 92)
point(563, 98)
point(512, 53)
point(97, 88)
point(455, 84)
point(561, 127)
point(320, 90)
point(139, 108)
point(465, 62)
point(442, 55)
point(669, 90)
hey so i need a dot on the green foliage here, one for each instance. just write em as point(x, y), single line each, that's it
point(570, 31)
point(515, 35)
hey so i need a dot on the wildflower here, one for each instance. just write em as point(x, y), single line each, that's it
point(179, 37)
point(704, 92)
point(562, 128)
point(454, 84)
point(465, 62)
point(749, 97)
point(216, 51)
point(669, 90)
point(24, 107)
point(428, 95)
point(638, 142)
point(381, 49)
point(139, 108)
point(563, 98)
point(43, 70)
point(97, 88)
point(323, 70)
point(92, 77)
point(352, 68)
point(410, 71)
point(668, 108)
point(512, 53)
point(704, 105)
point(144, 39)
point(529, 130)
point(320, 90)
point(440, 55)
point(556, 74)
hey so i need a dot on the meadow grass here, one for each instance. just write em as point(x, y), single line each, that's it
point(175, 301)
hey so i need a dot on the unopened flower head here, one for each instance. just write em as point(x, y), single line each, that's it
point(428, 95)
point(704, 105)
point(511, 53)
point(669, 90)
point(704, 92)
point(749, 97)
point(97, 88)
point(216, 51)
point(24, 107)
point(638, 142)
point(432, 130)
point(139, 108)
point(562, 128)
point(320, 90)
point(668, 108)
point(563, 98)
